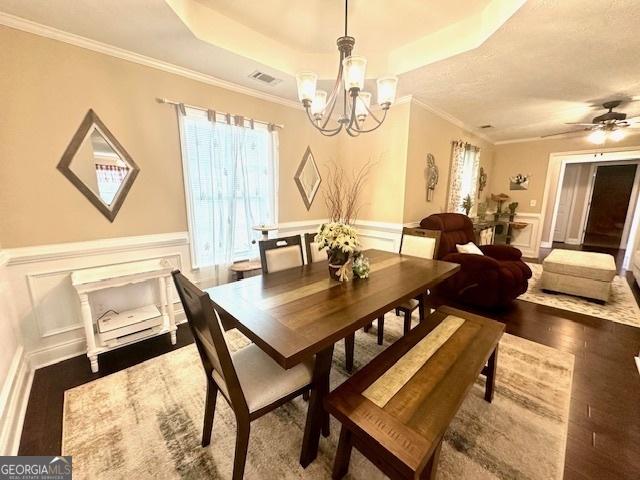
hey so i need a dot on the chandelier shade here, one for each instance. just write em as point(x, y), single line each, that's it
point(356, 103)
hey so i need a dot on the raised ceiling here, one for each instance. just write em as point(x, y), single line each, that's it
point(525, 73)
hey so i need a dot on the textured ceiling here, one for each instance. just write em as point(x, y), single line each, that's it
point(550, 63)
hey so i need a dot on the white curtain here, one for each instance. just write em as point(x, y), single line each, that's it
point(465, 164)
point(230, 172)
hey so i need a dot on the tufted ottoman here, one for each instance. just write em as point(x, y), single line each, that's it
point(587, 274)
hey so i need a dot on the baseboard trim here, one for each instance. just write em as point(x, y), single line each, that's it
point(572, 241)
point(13, 401)
point(546, 244)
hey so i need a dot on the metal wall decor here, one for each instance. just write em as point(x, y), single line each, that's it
point(99, 166)
point(308, 178)
point(432, 175)
point(482, 181)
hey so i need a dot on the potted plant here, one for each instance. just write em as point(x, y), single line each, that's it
point(339, 236)
point(467, 203)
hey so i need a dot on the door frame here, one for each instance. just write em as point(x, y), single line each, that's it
point(558, 161)
point(633, 199)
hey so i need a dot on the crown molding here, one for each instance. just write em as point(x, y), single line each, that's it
point(39, 29)
point(446, 116)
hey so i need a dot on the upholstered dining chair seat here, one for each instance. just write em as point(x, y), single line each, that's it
point(263, 381)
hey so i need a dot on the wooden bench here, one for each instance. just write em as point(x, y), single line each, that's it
point(397, 408)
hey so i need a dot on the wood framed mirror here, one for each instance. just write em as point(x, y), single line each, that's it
point(99, 166)
point(308, 178)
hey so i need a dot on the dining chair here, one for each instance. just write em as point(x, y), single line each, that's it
point(416, 242)
point(250, 381)
point(313, 254)
point(281, 253)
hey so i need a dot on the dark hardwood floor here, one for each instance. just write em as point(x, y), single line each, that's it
point(604, 428)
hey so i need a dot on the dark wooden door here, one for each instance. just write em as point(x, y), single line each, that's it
point(609, 205)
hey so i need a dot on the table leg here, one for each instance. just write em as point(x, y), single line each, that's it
point(343, 454)
point(491, 376)
point(349, 344)
point(316, 413)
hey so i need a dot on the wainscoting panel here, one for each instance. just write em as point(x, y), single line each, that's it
point(528, 239)
point(46, 303)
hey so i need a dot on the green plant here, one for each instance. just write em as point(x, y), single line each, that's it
point(467, 203)
point(482, 210)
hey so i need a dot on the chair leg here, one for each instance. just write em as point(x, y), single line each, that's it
point(209, 412)
point(242, 445)
point(397, 312)
point(326, 425)
point(407, 321)
point(380, 329)
point(367, 327)
point(305, 395)
point(421, 307)
point(343, 454)
point(349, 344)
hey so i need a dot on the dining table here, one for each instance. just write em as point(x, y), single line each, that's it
point(298, 313)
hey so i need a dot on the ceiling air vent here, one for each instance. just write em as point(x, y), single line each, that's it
point(265, 78)
point(486, 126)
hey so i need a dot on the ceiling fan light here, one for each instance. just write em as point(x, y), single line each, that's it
point(617, 135)
point(307, 82)
point(387, 89)
point(597, 137)
point(363, 103)
point(355, 68)
point(319, 102)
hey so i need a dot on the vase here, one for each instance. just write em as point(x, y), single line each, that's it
point(341, 273)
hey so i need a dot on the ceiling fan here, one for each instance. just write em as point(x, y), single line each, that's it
point(608, 126)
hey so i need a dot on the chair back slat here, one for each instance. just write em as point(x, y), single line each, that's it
point(419, 242)
point(204, 323)
point(281, 253)
point(313, 253)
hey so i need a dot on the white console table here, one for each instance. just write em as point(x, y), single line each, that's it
point(131, 326)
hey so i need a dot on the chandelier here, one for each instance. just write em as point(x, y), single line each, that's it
point(356, 103)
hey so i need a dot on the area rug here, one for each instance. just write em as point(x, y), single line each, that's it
point(146, 421)
point(621, 308)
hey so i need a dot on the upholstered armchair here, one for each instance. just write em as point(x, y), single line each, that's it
point(490, 280)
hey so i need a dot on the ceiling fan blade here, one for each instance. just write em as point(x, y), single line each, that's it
point(584, 124)
point(567, 132)
point(633, 120)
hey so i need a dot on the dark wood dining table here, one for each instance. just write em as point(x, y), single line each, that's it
point(297, 313)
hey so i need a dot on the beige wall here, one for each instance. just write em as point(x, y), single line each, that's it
point(533, 158)
point(47, 87)
point(386, 148)
point(429, 133)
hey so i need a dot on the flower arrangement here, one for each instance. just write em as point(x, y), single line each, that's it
point(361, 266)
point(341, 241)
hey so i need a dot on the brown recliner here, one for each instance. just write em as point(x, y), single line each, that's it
point(490, 280)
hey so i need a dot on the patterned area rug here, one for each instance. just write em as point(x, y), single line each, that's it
point(621, 308)
point(146, 421)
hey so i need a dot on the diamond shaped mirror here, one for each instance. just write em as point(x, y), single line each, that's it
point(99, 166)
point(308, 178)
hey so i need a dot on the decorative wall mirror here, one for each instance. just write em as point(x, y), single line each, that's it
point(99, 166)
point(308, 178)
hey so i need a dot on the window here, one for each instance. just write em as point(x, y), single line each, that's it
point(230, 185)
point(464, 175)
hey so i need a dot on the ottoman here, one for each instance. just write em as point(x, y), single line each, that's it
point(587, 274)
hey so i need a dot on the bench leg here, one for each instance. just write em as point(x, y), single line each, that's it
point(343, 454)
point(349, 343)
point(491, 376)
point(431, 470)
point(380, 329)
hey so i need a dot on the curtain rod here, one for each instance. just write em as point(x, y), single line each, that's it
point(205, 109)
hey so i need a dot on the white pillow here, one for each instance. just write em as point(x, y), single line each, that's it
point(469, 248)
